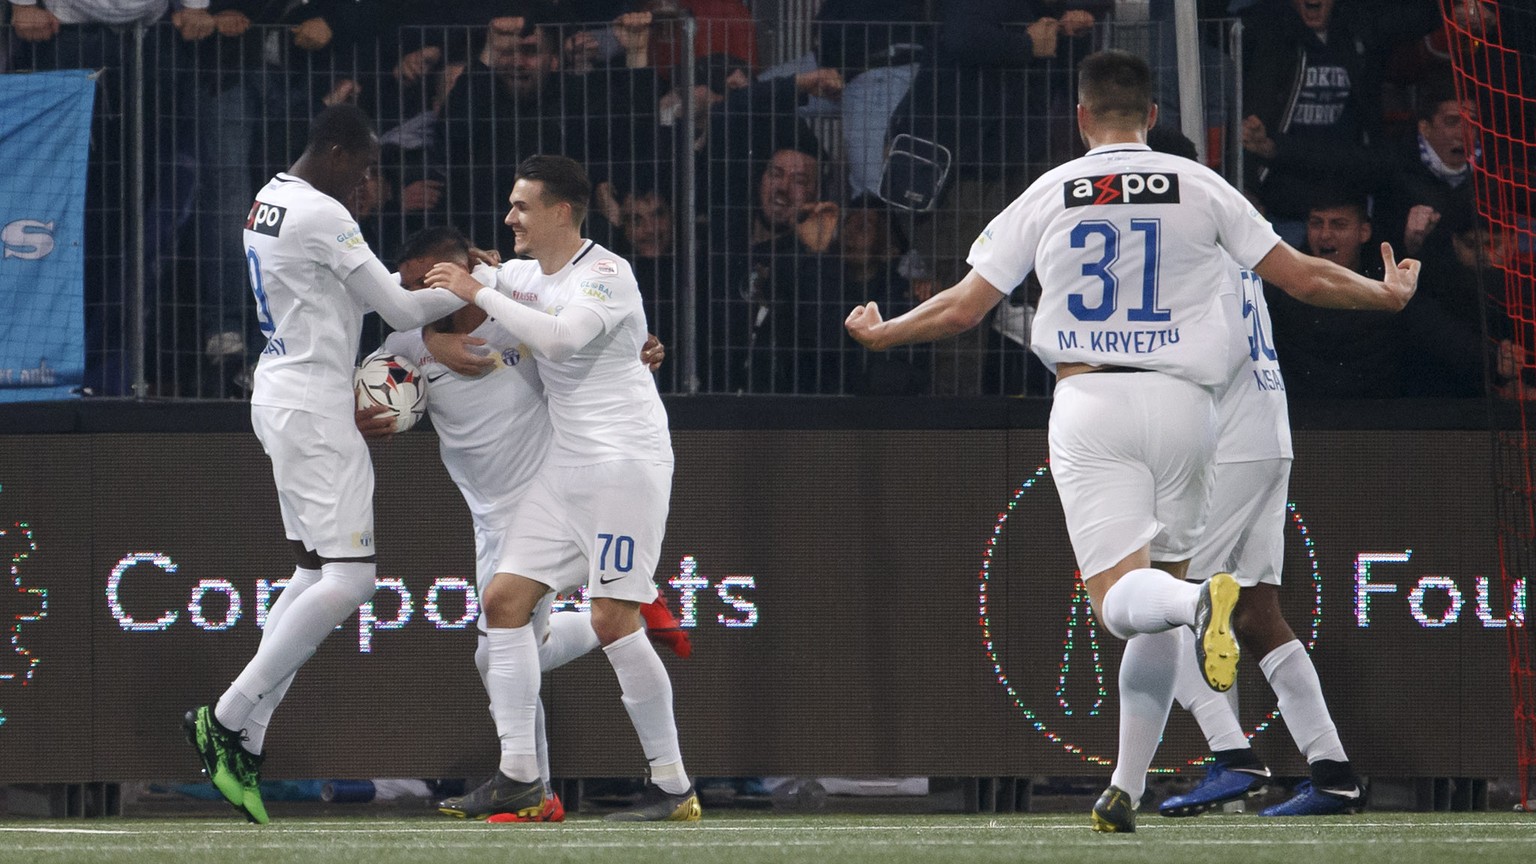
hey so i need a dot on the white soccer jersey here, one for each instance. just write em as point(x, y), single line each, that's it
point(1125, 241)
point(603, 402)
point(300, 245)
point(1251, 413)
point(493, 429)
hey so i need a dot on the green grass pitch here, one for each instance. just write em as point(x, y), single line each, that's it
point(1398, 838)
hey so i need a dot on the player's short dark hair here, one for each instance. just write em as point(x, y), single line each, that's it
point(444, 241)
point(344, 126)
point(564, 180)
point(1115, 83)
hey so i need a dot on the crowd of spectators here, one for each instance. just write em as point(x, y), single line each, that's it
point(860, 170)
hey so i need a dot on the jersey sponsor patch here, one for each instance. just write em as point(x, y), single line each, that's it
point(351, 238)
point(605, 267)
point(596, 290)
point(265, 218)
point(1129, 188)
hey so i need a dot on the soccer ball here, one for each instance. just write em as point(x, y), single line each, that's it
point(394, 382)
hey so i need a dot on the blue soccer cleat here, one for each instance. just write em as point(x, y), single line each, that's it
point(1221, 784)
point(1312, 801)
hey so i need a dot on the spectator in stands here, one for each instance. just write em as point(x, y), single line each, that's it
point(754, 330)
point(762, 166)
point(1445, 350)
point(515, 101)
point(73, 34)
point(1312, 99)
point(647, 238)
point(1337, 353)
point(1433, 173)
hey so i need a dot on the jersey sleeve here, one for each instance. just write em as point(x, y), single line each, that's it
point(1004, 252)
point(1240, 229)
point(608, 288)
point(336, 241)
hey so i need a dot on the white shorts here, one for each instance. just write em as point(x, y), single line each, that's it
point(1131, 454)
point(1245, 535)
point(595, 525)
point(324, 479)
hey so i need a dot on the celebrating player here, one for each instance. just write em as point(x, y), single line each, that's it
point(1131, 249)
point(598, 507)
point(314, 277)
point(487, 405)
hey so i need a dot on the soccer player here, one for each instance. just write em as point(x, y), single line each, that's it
point(493, 431)
point(1132, 248)
point(314, 278)
point(1246, 536)
point(598, 507)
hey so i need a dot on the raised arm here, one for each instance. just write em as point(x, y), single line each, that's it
point(552, 336)
point(403, 309)
point(1320, 282)
point(954, 310)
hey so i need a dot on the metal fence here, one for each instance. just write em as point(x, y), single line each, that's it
point(757, 209)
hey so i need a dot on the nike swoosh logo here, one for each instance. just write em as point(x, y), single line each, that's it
point(1338, 793)
point(1256, 772)
point(431, 378)
point(606, 581)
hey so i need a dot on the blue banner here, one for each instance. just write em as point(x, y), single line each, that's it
point(45, 126)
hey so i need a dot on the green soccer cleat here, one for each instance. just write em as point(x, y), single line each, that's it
point(498, 795)
point(248, 771)
point(658, 806)
point(1114, 813)
point(223, 759)
point(1215, 641)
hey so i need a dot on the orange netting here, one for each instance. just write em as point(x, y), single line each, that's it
point(1492, 52)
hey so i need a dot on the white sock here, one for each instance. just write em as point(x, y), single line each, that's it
point(1147, 671)
point(303, 625)
point(648, 699)
point(570, 636)
point(512, 680)
point(1294, 680)
point(1148, 601)
point(541, 744)
point(261, 716)
point(1215, 712)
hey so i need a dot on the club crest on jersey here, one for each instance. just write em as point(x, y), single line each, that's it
point(265, 219)
point(1128, 188)
point(605, 267)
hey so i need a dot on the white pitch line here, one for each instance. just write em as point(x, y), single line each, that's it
point(45, 830)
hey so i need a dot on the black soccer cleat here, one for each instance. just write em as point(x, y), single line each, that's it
point(500, 794)
point(658, 806)
point(1114, 812)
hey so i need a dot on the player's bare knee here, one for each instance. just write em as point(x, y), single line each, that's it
point(612, 619)
point(509, 600)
